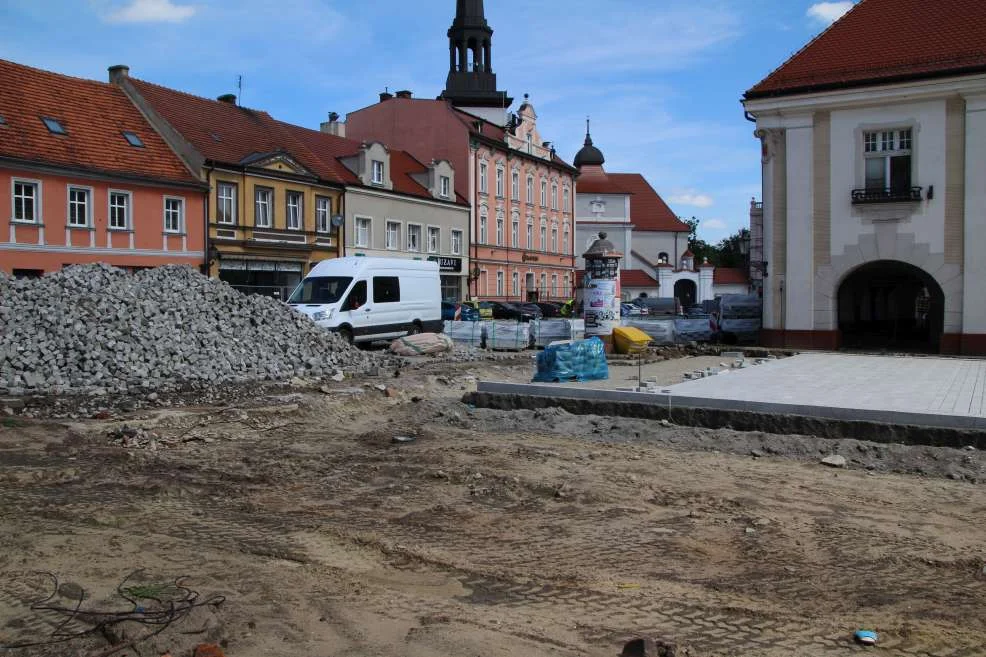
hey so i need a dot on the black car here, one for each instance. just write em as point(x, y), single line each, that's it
point(549, 310)
point(520, 312)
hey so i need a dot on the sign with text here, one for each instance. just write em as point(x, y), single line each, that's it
point(447, 264)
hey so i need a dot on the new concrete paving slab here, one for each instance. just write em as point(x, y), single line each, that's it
point(917, 391)
point(948, 386)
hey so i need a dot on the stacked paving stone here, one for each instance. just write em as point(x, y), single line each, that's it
point(95, 328)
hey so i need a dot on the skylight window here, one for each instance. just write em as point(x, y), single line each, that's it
point(3, 121)
point(53, 126)
point(133, 139)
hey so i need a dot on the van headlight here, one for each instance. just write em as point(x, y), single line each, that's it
point(322, 315)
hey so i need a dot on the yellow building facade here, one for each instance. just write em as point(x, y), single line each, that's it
point(269, 223)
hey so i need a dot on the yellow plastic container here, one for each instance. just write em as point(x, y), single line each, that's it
point(629, 340)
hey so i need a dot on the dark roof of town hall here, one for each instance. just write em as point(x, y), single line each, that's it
point(883, 42)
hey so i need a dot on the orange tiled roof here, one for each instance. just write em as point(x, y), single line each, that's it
point(636, 278)
point(94, 115)
point(326, 146)
point(730, 276)
point(229, 134)
point(648, 211)
point(883, 41)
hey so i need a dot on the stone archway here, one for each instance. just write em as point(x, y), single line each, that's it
point(686, 292)
point(890, 305)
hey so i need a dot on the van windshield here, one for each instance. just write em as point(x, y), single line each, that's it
point(321, 289)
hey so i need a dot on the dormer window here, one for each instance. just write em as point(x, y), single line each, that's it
point(54, 127)
point(133, 139)
point(444, 186)
point(377, 178)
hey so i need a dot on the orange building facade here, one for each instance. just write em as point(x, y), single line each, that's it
point(88, 180)
point(58, 220)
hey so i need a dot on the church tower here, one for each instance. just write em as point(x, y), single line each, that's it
point(471, 83)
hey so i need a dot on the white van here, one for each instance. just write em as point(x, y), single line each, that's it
point(367, 299)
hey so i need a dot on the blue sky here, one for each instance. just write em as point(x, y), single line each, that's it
point(661, 79)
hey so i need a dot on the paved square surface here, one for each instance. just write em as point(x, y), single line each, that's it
point(936, 386)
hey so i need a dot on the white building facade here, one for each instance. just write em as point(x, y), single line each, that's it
point(874, 202)
point(656, 262)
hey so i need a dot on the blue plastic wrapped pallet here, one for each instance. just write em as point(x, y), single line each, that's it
point(578, 360)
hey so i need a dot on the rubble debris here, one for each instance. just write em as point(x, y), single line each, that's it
point(834, 461)
point(96, 329)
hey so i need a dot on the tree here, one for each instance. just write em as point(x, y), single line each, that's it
point(730, 251)
point(701, 249)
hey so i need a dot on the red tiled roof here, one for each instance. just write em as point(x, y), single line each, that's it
point(648, 211)
point(882, 41)
point(636, 278)
point(227, 133)
point(730, 276)
point(598, 184)
point(95, 114)
point(326, 146)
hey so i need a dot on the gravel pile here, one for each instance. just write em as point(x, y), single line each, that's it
point(97, 329)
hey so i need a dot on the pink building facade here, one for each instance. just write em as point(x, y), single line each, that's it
point(522, 195)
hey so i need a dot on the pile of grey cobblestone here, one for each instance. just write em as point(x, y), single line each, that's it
point(95, 328)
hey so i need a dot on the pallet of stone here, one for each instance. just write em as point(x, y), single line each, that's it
point(740, 306)
point(467, 333)
point(744, 330)
point(693, 330)
point(508, 335)
point(661, 331)
point(546, 331)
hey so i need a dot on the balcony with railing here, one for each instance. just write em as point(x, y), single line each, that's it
point(886, 195)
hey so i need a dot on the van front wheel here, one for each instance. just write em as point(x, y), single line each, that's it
point(346, 334)
point(415, 329)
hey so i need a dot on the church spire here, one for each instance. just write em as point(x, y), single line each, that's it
point(471, 81)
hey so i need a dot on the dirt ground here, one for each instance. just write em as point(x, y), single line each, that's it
point(490, 533)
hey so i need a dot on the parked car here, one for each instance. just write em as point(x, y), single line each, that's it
point(656, 306)
point(367, 299)
point(631, 310)
point(549, 310)
point(459, 312)
point(484, 308)
point(521, 313)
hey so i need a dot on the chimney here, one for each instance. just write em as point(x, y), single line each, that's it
point(405, 93)
point(227, 98)
point(386, 96)
point(333, 126)
point(118, 73)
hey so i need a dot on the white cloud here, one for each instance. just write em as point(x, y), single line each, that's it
point(829, 12)
point(692, 198)
point(713, 224)
point(152, 11)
